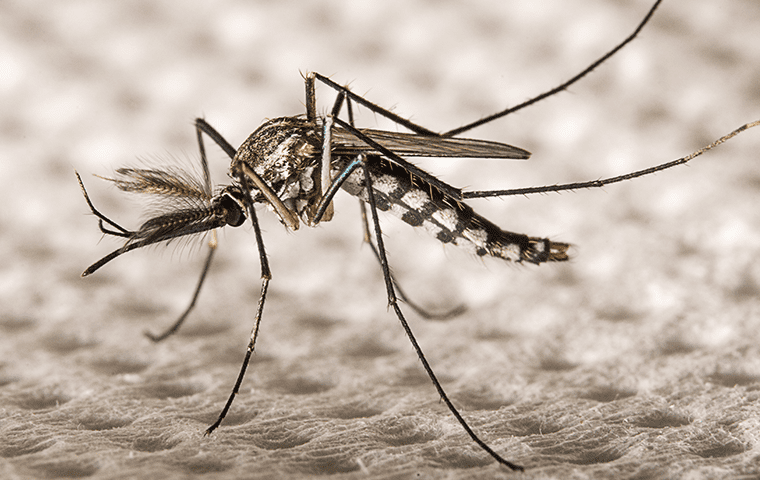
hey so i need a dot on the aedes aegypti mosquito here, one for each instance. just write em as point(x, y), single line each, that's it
point(296, 165)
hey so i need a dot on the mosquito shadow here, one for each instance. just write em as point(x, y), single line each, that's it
point(41, 400)
point(66, 469)
point(400, 431)
point(25, 446)
point(280, 438)
point(661, 419)
point(734, 379)
point(164, 390)
point(606, 394)
point(101, 423)
point(723, 450)
point(118, 366)
point(299, 385)
point(202, 466)
point(151, 444)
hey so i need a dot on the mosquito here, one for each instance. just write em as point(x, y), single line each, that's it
point(295, 166)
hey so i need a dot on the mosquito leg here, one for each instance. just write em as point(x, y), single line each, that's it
point(561, 87)
point(324, 210)
point(204, 160)
point(171, 330)
point(393, 302)
point(202, 125)
point(338, 104)
point(374, 107)
point(422, 312)
point(610, 180)
point(327, 210)
point(350, 111)
point(311, 98)
point(266, 276)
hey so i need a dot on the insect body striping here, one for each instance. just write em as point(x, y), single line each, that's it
point(419, 204)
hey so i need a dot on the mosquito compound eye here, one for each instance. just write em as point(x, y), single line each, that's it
point(235, 215)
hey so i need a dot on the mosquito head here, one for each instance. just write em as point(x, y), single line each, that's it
point(231, 202)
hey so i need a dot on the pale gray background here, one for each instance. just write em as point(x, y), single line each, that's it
point(637, 359)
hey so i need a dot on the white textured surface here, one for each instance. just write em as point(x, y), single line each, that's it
point(638, 359)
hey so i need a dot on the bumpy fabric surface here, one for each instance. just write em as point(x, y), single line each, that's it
point(639, 358)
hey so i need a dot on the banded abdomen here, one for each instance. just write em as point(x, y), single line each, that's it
point(421, 205)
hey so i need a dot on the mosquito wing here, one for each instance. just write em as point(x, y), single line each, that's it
point(415, 145)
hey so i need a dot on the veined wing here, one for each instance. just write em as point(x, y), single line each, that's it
point(415, 145)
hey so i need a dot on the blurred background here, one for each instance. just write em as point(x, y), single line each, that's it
point(655, 314)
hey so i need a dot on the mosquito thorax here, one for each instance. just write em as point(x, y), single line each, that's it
point(285, 152)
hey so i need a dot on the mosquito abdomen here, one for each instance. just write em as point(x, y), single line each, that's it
point(420, 205)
